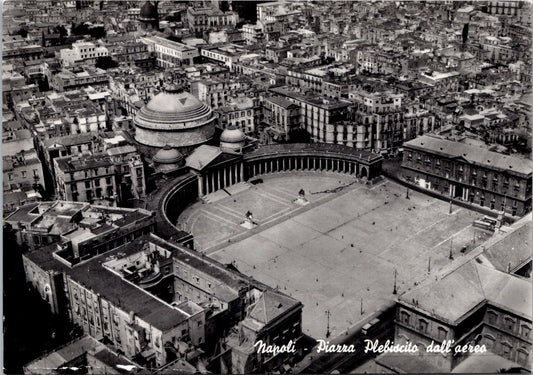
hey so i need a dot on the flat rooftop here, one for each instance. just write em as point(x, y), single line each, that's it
point(169, 43)
point(112, 287)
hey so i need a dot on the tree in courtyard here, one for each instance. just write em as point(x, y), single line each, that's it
point(105, 62)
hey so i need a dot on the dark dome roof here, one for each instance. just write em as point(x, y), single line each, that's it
point(148, 12)
point(167, 155)
point(232, 135)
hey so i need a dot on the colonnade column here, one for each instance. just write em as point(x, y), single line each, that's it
point(200, 185)
point(241, 169)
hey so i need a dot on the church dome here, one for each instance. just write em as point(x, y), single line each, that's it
point(232, 135)
point(175, 118)
point(232, 139)
point(168, 155)
point(148, 12)
point(169, 110)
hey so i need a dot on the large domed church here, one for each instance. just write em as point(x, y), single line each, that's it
point(149, 16)
point(174, 118)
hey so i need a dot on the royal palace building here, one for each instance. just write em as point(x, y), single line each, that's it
point(469, 173)
point(495, 313)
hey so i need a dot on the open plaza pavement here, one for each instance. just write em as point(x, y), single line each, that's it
point(340, 252)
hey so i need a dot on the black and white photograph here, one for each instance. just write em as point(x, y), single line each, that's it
point(266, 187)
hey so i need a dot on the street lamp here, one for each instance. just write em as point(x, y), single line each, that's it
point(328, 314)
point(450, 256)
point(395, 291)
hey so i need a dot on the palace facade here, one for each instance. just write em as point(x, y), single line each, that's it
point(469, 173)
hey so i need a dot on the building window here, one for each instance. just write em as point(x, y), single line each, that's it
point(525, 331)
point(492, 317)
point(422, 325)
point(506, 350)
point(405, 317)
point(509, 323)
point(489, 341)
point(522, 355)
point(442, 333)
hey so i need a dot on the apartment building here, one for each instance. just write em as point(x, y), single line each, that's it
point(281, 115)
point(86, 179)
point(170, 54)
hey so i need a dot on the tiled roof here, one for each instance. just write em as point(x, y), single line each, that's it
point(202, 156)
point(513, 249)
point(120, 150)
point(69, 140)
point(285, 103)
point(271, 305)
point(451, 297)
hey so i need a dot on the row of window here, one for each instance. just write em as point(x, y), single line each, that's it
point(421, 325)
point(509, 323)
point(108, 181)
point(23, 173)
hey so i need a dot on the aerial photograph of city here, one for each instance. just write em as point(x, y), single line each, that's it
point(238, 187)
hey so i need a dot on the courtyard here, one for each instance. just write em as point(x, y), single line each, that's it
point(340, 252)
